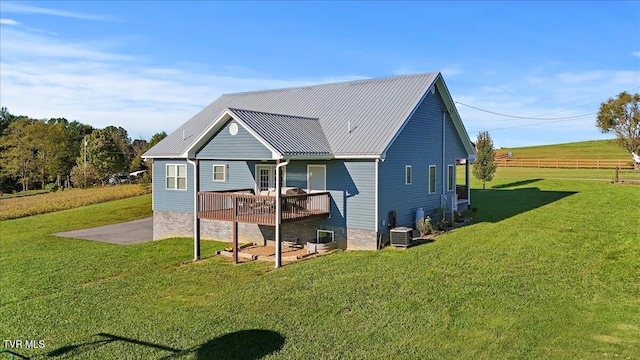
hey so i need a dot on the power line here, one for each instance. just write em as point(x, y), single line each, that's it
point(523, 117)
point(525, 125)
point(593, 102)
point(540, 117)
point(545, 120)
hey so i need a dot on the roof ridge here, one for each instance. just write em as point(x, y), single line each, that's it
point(270, 113)
point(333, 83)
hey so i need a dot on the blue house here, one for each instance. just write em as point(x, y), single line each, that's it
point(328, 162)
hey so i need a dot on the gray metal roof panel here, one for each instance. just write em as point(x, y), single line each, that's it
point(376, 109)
point(290, 135)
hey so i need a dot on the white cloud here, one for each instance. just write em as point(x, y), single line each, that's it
point(12, 7)
point(636, 53)
point(582, 77)
point(9, 22)
point(451, 70)
point(548, 95)
point(29, 45)
point(45, 77)
point(404, 70)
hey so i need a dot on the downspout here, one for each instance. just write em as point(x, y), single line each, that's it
point(443, 198)
point(196, 225)
point(279, 214)
point(375, 203)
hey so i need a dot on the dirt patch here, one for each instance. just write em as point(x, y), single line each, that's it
point(269, 251)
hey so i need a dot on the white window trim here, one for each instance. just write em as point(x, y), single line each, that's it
point(256, 178)
point(435, 176)
point(450, 175)
point(224, 173)
point(410, 179)
point(325, 175)
point(186, 177)
point(333, 235)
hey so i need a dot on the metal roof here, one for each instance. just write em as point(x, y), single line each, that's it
point(358, 118)
point(288, 134)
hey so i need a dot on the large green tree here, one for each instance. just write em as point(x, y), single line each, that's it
point(19, 147)
point(104, 154)
point(484, 166)
point(621, 116)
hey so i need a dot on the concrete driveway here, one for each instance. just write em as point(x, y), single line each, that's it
point(127, 233)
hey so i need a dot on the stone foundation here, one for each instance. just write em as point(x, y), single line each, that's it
point(175, 224)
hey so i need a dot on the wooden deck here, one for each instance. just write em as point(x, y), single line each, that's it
point(260, 209)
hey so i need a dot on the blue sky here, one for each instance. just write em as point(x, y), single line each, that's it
point(150, 66)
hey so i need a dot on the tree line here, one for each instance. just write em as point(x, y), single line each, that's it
point(58, 153)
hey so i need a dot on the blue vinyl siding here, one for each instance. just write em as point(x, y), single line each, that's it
point(239, 175)
point(241, 146)
point(171, 200)
point(419, 145)
point(352, 188)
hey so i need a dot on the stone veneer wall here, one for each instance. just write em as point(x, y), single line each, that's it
point(176, 224)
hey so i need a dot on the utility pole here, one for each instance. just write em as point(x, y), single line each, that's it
point(85, 161)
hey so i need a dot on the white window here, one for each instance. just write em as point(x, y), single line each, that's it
point(451, 178)
point(432, 179)
point(176, 177)
point(316, 178)
point(407, 175)
point(219, 173)
point(324, 236)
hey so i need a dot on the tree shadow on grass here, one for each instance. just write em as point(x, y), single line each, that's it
point(496, 205)
point(515, 183)
point(244, 344)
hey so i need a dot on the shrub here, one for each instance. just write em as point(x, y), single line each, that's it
point(145, 182)
point(424, 226)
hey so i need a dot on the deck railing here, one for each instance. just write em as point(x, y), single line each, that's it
point(260, 209)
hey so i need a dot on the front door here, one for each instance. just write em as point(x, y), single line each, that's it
point(266, 177)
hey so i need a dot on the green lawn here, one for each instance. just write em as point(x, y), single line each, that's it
point(23, 193)
point(515, 173)
point(595, 149)
point(549, 269)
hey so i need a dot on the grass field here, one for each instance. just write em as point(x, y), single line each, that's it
point(515, 173)
point(20, 206)
point(596, 149)
point(23, 193)
point(549, 269)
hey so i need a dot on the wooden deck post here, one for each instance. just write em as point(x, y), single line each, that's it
point(234, 235)
point(467, 180)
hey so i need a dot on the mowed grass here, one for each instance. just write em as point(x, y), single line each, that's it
point(522, 173)
point(549, 269)
point(595, 149)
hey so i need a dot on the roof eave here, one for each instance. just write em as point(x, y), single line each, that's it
point(226, 115)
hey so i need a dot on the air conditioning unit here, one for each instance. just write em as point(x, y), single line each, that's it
point(401, 236)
